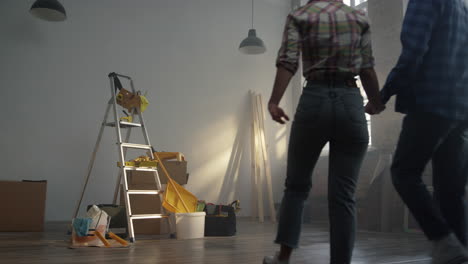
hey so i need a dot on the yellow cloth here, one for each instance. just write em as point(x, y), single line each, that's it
point(144, 103)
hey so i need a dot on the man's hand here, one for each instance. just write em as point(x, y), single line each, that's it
point(373, 109)
point(277, 113)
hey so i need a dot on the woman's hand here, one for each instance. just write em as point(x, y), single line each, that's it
point(277, 113)
point(374, 109)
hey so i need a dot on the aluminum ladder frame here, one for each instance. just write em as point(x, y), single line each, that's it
point(122, 148)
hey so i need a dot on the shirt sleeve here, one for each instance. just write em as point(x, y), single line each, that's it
point(368, 60)
point(419, 21)
point(289, 53)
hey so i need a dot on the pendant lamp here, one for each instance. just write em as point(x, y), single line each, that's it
point(50, 10)
point(252, 44)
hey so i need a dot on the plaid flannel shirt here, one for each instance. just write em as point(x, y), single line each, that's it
point(432, 72)
point(333, 38)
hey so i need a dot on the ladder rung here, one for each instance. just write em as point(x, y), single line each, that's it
point(124, 124)
point(148, 216)
point(139, 168)
point(136, 146)
point(145, 191)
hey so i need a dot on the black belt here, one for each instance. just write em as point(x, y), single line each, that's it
point(337, 83)
point(333, 79)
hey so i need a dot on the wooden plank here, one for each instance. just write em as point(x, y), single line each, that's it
point(266, 162)
point(253, 169)
point(258, 174)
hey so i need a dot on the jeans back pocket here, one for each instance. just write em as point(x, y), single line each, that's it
point(354, 107)
point(309, 108)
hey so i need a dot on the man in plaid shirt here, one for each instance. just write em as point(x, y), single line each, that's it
point(334, 40)
point(431, 84)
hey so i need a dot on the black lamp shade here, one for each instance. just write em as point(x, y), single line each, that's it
point(50, 10)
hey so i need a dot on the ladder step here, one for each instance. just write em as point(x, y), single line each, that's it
point(123, 124)
point(148, 216)
point(136, 146)
point(139, 168)
point(145, 191)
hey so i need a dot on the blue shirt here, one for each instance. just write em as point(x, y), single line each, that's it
point(432, 72)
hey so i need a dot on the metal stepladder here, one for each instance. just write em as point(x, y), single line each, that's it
point(123, 146)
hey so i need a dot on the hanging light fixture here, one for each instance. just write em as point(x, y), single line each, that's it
point(50, 10)
point(252, 44)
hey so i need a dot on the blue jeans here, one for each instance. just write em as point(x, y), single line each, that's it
point(333, 114)
point(424, 137)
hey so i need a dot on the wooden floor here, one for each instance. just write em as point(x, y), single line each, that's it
point(253, 241)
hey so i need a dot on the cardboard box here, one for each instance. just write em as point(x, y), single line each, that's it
point(151, 204)
point(22, 206)
point(144, 180)
point(147, 204)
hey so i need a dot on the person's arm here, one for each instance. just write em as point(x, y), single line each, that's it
point(282, 79)
point(287, 64)
point(367, 74)
point(420, 18)
point(371, 87)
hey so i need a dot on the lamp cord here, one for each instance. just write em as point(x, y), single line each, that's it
point(252, 14)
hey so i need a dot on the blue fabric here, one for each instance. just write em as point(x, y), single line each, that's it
point(81, 226)
point(432, 72)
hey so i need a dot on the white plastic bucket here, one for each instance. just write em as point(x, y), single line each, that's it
point(190, 225)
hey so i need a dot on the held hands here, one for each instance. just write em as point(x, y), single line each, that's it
point(374, 109)
point(277, 113)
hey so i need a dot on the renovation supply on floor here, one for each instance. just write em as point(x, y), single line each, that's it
point(220, 220)
point(260, 165)
point(99, 218)
point(81, 226)
point(99, 222)
point(176, 198)
point(118, 239)
point(190, 225)
point(102, 238)
point(79, 242)
point(118, 219)
point(201, 206)
point(131, 100)
point(23, 206)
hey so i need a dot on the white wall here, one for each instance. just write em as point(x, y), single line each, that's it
point(183, 53)
point(386, 19)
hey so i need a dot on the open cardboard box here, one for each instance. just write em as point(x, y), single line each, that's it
point(23, 205)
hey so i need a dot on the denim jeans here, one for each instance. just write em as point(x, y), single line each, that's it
point(333, 114)
point(424, 137)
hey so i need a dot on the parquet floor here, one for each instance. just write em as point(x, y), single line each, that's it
point(253, 241)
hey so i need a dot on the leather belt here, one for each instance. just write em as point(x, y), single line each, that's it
point(333, 81)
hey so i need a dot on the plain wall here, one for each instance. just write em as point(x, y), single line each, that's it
point(184, 54)
point(386, 19)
